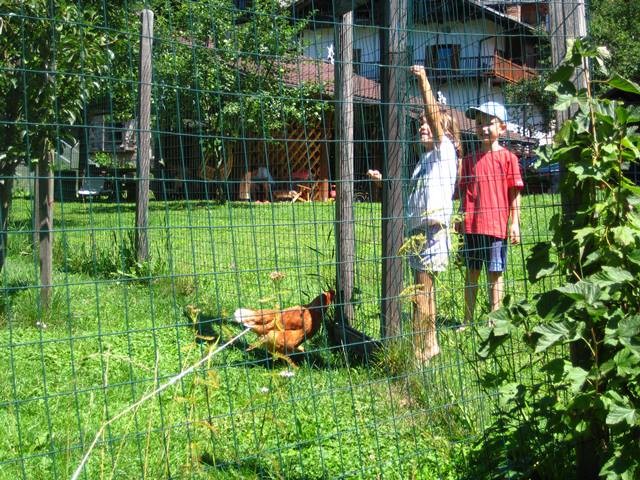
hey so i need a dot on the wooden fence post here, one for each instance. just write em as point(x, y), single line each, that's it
point(144, 134)
point(44, 222)
point(568, 21)
point(345, 234)
point(393, 76)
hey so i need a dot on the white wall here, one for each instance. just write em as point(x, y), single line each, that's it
point(317, 41)
point(475, 37)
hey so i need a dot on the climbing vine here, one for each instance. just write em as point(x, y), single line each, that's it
point(573, 410)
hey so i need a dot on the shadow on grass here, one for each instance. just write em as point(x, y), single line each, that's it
point(13, 287)
point(253, 467)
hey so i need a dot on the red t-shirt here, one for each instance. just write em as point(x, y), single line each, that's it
point(484, 190)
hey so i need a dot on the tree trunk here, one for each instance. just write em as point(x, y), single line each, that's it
point(44, 224)
point(6, 187)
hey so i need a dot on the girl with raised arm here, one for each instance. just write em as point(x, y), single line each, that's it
point(428, 210)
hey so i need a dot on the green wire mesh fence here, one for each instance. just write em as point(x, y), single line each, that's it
point(244, 181)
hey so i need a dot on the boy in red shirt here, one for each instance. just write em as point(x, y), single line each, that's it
point(490, 184)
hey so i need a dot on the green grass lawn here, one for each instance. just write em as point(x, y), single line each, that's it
point(116, 331)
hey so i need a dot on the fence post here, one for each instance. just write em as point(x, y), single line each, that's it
point(568, 21)
point(393, 77)
point(345, 235)
point(144, 134)
point(6, 187)
point(44, 222)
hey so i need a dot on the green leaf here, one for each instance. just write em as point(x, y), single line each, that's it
point(627, 363)
point(501, 323)
point(510, 392)
point(621, 411)
point(576, 377)
point(628, 144)
point(489, 342)
point(582, 120)
point(624, 235)
point(553, 334)
point(625, 85)
point(582, 233)
point(553, 304)
point(583, 291)
point(555, 368)
point(628, 333)
point(565, 92)
point(634, 257)
point(622, 465)
point(564, 102)
point(612, 275)
point(494, 380)
point(562, 371)
point(562, 74)
point(539, 264)
point(564, 151)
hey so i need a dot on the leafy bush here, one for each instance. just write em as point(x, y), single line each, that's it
point(573, 411)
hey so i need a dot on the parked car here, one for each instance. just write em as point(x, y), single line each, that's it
point(539, 179)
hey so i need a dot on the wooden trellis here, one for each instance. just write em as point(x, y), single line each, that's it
point(304, 151)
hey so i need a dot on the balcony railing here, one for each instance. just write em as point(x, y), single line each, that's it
point(467, 67)
point(494, 66)
point(510, 71)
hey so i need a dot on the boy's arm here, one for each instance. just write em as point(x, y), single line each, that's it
point(432, 109)
point(514, 215)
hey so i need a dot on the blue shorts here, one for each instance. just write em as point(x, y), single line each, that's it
point(480, 250)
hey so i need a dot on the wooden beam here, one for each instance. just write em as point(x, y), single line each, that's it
point(567, 20)
point(44, 222)
point(144, 134)
point(394, 78)
point(345, 231)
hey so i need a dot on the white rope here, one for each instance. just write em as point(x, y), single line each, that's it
point(172, 381)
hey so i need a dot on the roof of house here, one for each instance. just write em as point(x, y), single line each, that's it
point(329, 9)
point(311, 70)
point(513, 2)
point(501, 17)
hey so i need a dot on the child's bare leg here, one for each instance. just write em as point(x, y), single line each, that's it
point(470, 294)
point(496, 289)
point(424, 318)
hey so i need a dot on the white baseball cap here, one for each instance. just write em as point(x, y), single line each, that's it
point(493, 109)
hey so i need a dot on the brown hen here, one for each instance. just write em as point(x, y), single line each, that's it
point(283, 331)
